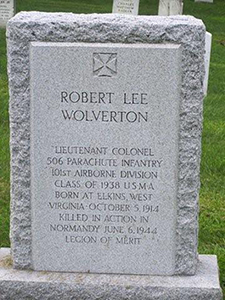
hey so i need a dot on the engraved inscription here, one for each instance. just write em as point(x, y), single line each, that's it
point(105, 64)
point(104, 157)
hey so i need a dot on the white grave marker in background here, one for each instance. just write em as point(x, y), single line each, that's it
point(208, 44)
point(6, 11)
point(175, 7)
point(129, 7)
point(170, 7)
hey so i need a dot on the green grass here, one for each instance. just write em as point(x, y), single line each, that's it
point(4, 146)
point(212, 195)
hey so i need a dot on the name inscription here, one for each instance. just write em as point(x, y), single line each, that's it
point(103, 98)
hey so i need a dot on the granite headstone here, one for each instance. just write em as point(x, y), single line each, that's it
point(106, 119)
point(112, 164)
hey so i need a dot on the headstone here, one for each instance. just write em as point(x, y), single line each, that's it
point(208, 45)
point(105, 154)
point(98, 189)
point(128, 7)
point(170, 7)
point(209, 1)
point(7, 8)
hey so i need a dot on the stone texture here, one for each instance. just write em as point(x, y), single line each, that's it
point(33, 285)
point(7, 9)
point(127, 7)
point(45, 27)
point(131, 68)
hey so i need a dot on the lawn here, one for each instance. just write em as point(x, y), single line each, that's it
point(212, 195)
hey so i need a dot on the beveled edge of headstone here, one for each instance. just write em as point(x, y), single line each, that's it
point(26, 27)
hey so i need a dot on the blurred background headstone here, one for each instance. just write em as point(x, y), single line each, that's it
point(128, 7)
point(208, 45)
point(7, 10)
point(170, 7)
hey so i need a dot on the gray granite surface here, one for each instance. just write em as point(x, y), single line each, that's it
point(133, 71)
point(19, 284)
point(45, 27)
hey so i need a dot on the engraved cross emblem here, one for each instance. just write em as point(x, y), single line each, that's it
point(105, 64)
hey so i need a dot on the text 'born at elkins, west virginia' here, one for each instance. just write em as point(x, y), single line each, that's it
point(103, 98)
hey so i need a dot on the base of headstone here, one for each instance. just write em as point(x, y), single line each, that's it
point(20, 284)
